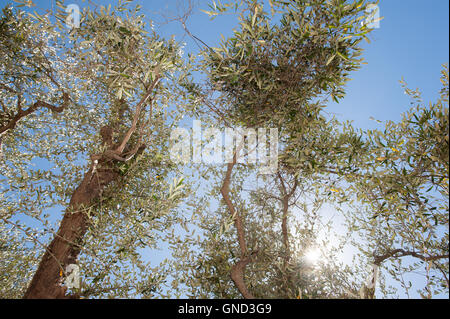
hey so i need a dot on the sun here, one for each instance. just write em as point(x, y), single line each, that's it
point(313, 255)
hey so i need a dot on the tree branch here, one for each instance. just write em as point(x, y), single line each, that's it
point(396, 253)
point(286, 196)
point(139, 106)
point(237, 275)
point(237, 271)
point(22, 113)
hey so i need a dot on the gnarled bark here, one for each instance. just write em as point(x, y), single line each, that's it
point(21, 113)
point(64, 248)
point(238, 270)
point(285, 198)
point(237, 275)
point(402, 253)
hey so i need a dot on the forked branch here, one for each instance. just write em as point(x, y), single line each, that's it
point(238, 270)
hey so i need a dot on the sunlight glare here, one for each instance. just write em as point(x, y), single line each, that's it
point(313, 255)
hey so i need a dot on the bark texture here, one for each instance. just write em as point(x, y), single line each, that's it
point(238, 270)
point(64, 248)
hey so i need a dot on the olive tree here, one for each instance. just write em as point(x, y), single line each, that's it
point(277, 70)
point(103, 157)
point(404, 189)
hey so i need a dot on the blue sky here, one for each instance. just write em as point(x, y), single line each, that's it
point(411, 42)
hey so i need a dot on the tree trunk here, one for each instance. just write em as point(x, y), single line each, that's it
point(64, 248)
point(238, 270)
